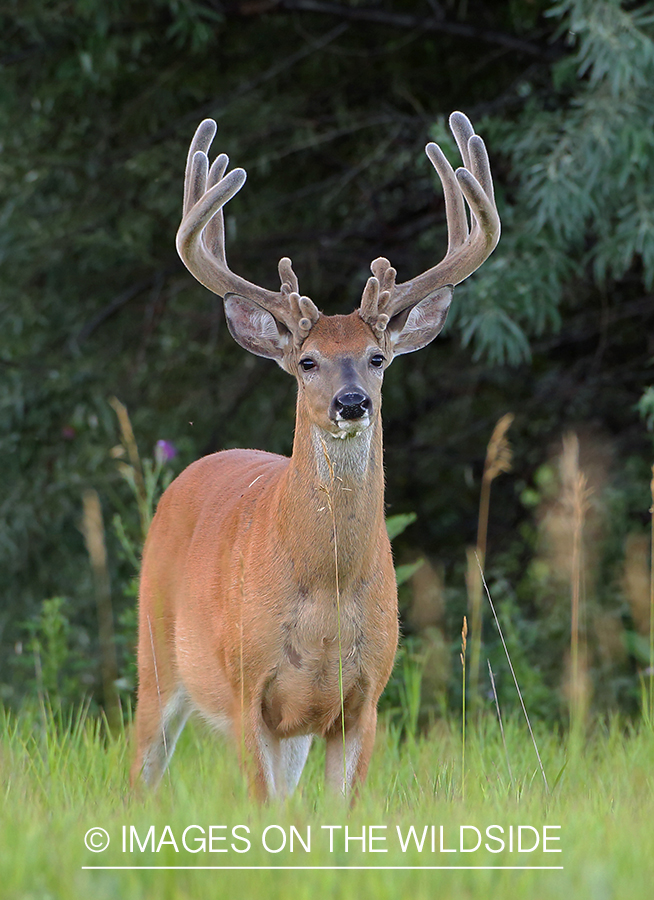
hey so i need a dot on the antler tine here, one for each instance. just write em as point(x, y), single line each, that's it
point(201, 238)
point(194, 182)
point(480, 166)
point(467, 248)
point(455, 210)
point(461, 128)
point(214, 233)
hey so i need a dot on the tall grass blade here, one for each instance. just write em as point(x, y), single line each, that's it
point(498, 460)
point(499, 719)
point(575, 502)
point(515, 680)
point(464, 641)
point(329, 494)
point(93, 529)
point(651, 611)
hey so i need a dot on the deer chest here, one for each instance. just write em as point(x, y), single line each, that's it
point(316, 662)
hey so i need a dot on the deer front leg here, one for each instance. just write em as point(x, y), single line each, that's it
point(273, 764)
point(159, 723)
point(346, 769)
point(163, 705)
point(293, 753)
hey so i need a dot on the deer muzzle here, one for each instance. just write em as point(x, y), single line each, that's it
point(350, 405)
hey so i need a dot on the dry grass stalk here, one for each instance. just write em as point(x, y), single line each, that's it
point(241, 584)
point(515, 679)
point(127, 434)
point(155, 664)
point(499, 719)
point(93, 530)
point(637, 579)
point(464, 644)
point(651, 610)
point(329, 492)
point(133, 471)
point(498, 460)
point(575, 502)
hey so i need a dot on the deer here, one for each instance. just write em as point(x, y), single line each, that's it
point(268, 599)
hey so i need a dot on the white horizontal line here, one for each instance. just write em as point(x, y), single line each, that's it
point(331, 868)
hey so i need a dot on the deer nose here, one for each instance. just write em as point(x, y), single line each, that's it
point(351, 405)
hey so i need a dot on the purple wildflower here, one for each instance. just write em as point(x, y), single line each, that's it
point(164, 451)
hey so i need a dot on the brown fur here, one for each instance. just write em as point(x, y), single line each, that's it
point(250, 555)
point(237, 606)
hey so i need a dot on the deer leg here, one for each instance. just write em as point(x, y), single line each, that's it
point(293, 756)
point(275, 764)
point(263, 758)
point(163, 704)
point(159, 723)
point(346, 769)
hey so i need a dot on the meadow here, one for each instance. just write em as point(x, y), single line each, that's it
point(503, 807)
point(330, 115)
point(588, 834)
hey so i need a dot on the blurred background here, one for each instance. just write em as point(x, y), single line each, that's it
point(525, 431)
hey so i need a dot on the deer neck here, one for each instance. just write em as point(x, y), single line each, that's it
point(335, 485)
point(327, 461)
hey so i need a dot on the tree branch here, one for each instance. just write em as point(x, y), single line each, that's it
point(421, 23)
point(117, 303)
point(215, 107)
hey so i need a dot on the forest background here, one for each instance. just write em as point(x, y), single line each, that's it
point(328, 106)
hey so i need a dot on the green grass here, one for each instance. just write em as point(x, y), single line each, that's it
point(59, 779)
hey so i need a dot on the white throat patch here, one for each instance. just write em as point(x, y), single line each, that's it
point(345, 455)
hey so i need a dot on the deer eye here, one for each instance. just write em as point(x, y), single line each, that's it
point(308, 364)
point(377, 360)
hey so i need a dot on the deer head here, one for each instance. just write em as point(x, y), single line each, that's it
point(339, 361)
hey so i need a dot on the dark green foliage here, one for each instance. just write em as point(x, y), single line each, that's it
point(329, 112)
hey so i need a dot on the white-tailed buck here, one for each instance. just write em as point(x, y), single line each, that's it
point(268, 601)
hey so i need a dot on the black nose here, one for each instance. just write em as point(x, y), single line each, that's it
point(352, 405)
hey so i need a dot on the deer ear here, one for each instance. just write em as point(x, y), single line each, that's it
point(255, 329)
point(413, 329)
